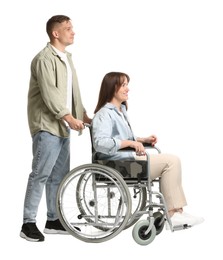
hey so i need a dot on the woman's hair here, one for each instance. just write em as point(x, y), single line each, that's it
point(111, 83)
point(53, 21)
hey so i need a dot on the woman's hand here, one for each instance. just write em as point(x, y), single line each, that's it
point(152, 139)
point(139, 148)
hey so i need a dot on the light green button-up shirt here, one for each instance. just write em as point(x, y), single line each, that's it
point(48, 93)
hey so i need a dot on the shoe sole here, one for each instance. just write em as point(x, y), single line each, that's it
point(23, 235)
point(55, 231)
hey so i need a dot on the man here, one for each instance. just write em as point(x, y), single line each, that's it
point(54, 107)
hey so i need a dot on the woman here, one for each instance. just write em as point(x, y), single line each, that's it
point(111, 132)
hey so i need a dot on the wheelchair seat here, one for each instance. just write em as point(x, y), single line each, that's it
point(131, 170)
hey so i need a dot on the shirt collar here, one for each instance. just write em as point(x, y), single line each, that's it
point(111, 106)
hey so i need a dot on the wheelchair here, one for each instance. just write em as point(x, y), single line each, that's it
point(96, 201)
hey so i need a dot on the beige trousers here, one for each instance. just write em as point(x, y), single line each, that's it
point(168, 167)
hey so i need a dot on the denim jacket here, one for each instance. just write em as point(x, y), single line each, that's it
point(48, 92)
point(108, 130)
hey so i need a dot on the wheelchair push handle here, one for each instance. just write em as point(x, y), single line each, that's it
point(87, 125)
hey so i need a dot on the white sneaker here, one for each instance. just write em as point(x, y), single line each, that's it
point(197, 220)
point(185, 219)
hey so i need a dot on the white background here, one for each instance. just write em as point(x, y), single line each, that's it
point(172, 51)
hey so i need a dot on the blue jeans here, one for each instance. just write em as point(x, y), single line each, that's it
point(51, 162)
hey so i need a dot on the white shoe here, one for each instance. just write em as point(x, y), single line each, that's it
point(185, 219)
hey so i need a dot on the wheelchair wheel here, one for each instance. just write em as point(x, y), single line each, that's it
point(93, 203)
point(139, 235)
point(159, 222)
point(139, 200)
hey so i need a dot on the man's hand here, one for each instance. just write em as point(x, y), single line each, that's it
point(74, 123)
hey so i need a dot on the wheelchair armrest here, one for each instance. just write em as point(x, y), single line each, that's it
point(146, 145)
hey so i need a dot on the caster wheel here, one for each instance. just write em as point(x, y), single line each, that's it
point(139, 235)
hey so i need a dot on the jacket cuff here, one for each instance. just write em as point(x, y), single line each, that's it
point(62, 113)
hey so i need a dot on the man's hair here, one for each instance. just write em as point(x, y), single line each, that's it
point(53, 21)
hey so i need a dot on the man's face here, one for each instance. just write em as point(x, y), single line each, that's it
point(64, 33)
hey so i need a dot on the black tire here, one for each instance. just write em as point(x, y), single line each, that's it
point(159, 222)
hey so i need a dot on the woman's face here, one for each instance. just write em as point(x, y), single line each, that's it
point(121, 94)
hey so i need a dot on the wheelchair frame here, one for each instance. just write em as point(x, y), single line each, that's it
point(95, 203)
